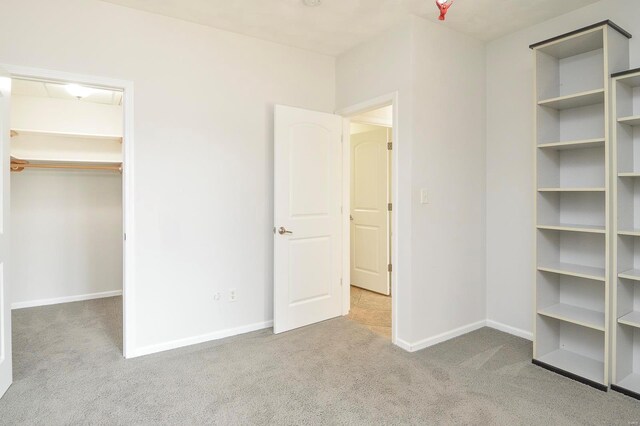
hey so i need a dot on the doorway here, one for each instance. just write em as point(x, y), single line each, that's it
point(371, 147)
point(311, 229)
point(71, 145)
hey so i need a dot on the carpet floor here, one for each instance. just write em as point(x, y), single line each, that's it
point(69, 370)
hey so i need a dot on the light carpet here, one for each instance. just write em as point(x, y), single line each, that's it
point(69, 370)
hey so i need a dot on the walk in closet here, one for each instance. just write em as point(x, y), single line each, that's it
point(572, 136)
point(66, 193)
point(626, 296)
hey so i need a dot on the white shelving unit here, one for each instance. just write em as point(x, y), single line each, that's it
point(571, 325)
point(626, 293)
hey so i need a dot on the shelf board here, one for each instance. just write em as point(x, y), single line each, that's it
point(592, 229)
point(630, 232)
point(576, 364)
point(575, 315)
point(568, 145)
point(576, 100)
point(580, 271)
point(634, 120)
point(632, 319)
point(631, 382)
point(629, 174)
point(630, 274)
point(115, 138)
point(571, 189)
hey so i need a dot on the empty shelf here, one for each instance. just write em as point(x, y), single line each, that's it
point(571, 189)
point(577, 364)
point(631, 382)
point(576, 100)
point(575, 315)
point(629, 174)
point(630, 232)
point(588, 272)
point(582, 144)
point(630, 274)
point(592, 229)
point(631, 121)
point(632, 319)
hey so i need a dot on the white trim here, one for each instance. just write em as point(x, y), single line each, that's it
point(457, 332)
point(360, 108)
point(442, 337)
point(510, 330)
point(175, 344)
point(128, 322)
point(66, 299)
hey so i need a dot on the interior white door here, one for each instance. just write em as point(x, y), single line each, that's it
point(369, 211)
point(307, 231)
point(6, 375)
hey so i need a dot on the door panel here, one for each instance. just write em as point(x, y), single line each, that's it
point(369, 211)
point(6, 376)
point(307, 197)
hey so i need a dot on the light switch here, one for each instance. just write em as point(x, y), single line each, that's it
point(424, 199)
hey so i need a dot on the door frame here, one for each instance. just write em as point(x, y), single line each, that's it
point(128, 238)
point(347, 113)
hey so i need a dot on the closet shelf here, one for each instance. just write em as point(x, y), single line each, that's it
point(575, 315)
point(19, 132)
point(629, 174)
point(568, 145)
point(630, 274)
point(577, 364)
point(576, 100)
point(592, 229)
point(630, 232)
point(571, 189)
point(631, 121)
point(570, 269)
point(632, 319)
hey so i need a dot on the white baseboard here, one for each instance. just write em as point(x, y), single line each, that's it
point(511, 330)
point(430, 341)
point(175, 344)
point(67, 299)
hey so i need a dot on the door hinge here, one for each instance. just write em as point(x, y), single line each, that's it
point(390, 146)
point(389, 268)
point(125, 236)
point(390, 207)
point(340, 282)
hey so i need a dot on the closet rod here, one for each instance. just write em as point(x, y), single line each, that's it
point(18, 167)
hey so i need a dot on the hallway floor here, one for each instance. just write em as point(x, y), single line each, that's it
point(372, 310)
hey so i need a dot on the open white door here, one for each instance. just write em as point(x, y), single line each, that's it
point(307, 231)
point(369, 211)
point(6, 375)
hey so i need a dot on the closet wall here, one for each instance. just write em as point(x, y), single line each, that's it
point(66, 224)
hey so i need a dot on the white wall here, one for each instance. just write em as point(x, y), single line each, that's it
point(510, 153)
point(440, 147)
point(448, 234)
point(50, 115)
point(66, 234)
point(203, 151)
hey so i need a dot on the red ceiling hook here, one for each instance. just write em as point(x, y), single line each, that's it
point(443, 6)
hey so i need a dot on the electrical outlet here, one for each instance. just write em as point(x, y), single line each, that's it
point(232, 295)
point(217, 297)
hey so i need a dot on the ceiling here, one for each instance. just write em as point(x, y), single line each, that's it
point(41, 89)
point(338, 25)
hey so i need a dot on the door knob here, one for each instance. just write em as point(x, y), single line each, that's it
point(282, 230)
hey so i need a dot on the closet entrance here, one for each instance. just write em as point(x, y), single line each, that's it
point(66, 182)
